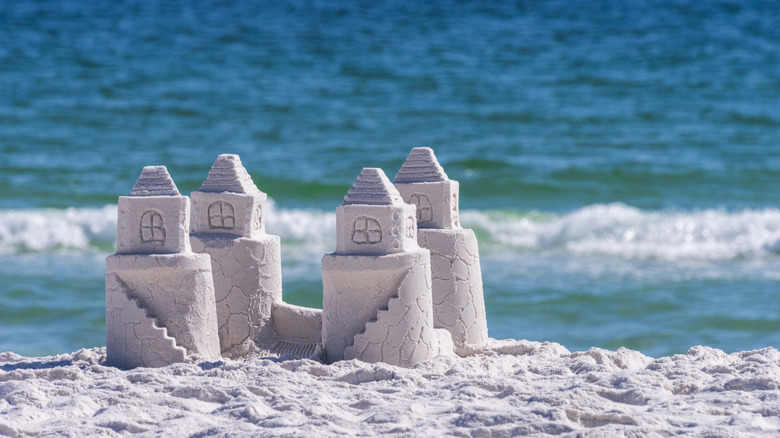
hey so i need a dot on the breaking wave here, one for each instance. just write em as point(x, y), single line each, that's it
point(49, 230)
point(615, 230)
point(626, 232)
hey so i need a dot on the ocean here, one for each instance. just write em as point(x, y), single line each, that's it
point(618, 161)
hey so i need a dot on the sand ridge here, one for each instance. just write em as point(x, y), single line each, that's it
point(505, 388)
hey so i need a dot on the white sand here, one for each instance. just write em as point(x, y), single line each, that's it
point(509, 388)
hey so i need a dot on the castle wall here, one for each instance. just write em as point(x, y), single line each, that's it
point(402, 332)
point(458, 303)
point(134, 338)
point(356, 288)
point(247, 277)
point(174, 289)
point(378, 308)
point(298, 324)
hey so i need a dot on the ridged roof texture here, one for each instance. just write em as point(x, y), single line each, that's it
point(154, 181)
point(372, 188)
point(421, 166)
point(228, 175)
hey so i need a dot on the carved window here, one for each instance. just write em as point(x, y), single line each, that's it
point(366, 230)
point(424, 208)
point(152, 227)
point(222, 215)
point(258, 223)
point(410, 232)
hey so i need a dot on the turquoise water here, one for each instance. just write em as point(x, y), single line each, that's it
point(618, 161)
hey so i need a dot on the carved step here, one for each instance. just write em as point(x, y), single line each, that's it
point(374, 318)
point(381, 311)
point(143, 340)
point(376, 331)
point(165, 337)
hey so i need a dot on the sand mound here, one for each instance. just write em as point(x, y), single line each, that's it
point(506, 388)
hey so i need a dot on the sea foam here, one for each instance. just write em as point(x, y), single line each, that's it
point(615, 230)
point(626, 232)
point(48, 230)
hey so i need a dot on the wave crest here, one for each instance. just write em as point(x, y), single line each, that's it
point(614, 230)
point(47, 230)
point(626, 232)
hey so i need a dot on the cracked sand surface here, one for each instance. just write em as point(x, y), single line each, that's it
point(173, 292)
point(247, 275)
point(458, 303)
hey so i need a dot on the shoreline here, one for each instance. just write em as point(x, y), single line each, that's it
point(502, 388)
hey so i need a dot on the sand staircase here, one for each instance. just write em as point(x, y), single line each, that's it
point(402, 333)
point(367, 344)
point(147, 340)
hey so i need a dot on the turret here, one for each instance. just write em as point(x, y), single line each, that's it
point(377, 293)
point(373, 219)
point(228, 202)
point(228, 224)
point(159, 294)
point(154, 219)
point(458, 303)
point(423, 183)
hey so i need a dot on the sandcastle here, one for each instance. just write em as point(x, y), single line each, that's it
point(458, 302)
point(160, 305)
point(403, 285)
point(377, 303)
point(228, 224)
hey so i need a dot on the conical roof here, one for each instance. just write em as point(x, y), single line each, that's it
point(372, 188)
point(421, 166)
point(154, 181)
point(228, 175)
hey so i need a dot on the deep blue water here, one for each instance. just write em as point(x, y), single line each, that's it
point(619, 161)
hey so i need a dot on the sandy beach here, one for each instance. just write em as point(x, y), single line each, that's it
point(505, 388)
point(617, 162)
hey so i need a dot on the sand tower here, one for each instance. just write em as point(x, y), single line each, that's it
point(458, 303)
point(377, 285)
point(159, 294)
point(228, 223)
